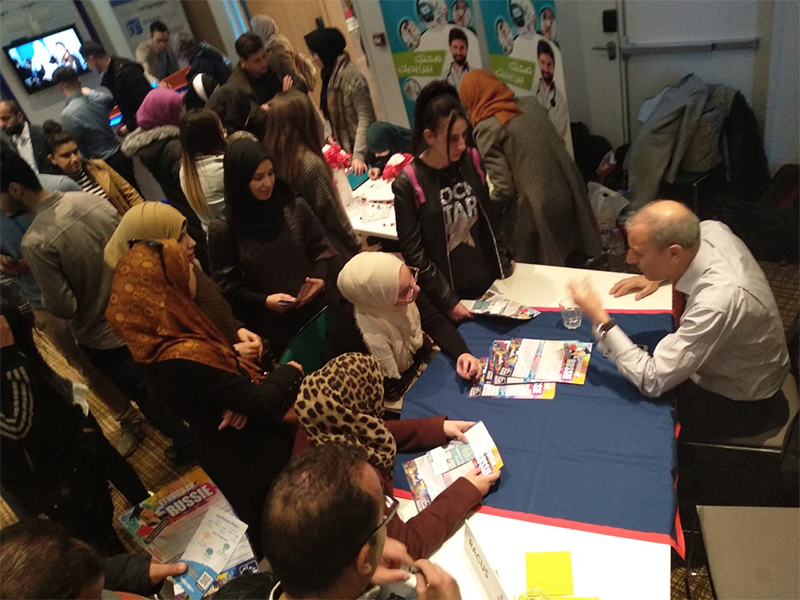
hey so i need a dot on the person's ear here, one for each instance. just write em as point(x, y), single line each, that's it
point(675, 252)
point(429, 137)
point(364, 560)
point(15, 190)
point(52, 160)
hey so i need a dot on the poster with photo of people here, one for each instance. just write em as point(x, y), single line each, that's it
point(522, 38)
point(430, 39)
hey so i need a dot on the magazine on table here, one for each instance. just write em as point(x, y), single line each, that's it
point(497, 305)
point(522, 360)
point(537, 390)
point(165, 524)
point(430, 474)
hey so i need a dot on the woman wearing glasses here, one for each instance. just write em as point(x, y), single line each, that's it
point(343, 403)
point(394, 323)
point(233, 409)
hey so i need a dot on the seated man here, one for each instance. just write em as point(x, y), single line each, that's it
point(729, 348)
point(325, 535)
point(39, 559)
point(155, 55)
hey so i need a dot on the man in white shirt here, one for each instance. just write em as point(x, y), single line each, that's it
point(459, 47)
point(550, 97)
point(28, 139)
point(730, 342)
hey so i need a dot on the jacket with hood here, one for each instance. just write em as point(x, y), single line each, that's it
point(208, 59)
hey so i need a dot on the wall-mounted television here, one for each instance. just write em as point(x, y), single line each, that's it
point(36, 58)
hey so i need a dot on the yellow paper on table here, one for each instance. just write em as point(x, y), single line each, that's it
point(551, 572)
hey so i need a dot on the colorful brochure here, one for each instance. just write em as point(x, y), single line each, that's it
point(431, 474)
point(165, 524)
point(521, 360)
point(497, 305)
point(538, 390)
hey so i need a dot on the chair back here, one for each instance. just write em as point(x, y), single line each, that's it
point(308, 345)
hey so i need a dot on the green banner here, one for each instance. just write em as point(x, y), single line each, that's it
point(419, 64)
point(513, 71)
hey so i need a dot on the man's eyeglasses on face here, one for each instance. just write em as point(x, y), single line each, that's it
point(390, 510)
point(408, 296)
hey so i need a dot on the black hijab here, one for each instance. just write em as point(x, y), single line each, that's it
point(249, 215)
point(329, 44)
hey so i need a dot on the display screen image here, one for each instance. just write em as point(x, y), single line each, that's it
point(36, 58)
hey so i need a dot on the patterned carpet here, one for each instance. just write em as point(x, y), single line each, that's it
point(156, 472)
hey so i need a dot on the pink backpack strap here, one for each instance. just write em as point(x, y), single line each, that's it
point(476, 160)
point(411, 173)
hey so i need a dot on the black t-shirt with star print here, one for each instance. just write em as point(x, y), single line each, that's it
point(468, 261)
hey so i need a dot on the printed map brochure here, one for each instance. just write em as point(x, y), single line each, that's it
point(165, 523)
point(430, 474)
point(494, 304)
point(524, 360)
point(538, 390)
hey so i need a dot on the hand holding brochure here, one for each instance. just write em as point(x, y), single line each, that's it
point(494, 304)
point(430, 474)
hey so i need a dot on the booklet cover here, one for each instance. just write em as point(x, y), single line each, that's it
point(494, 304)
point(430, 474)
point(165, 524)
point(521, 360)
point(538, 390)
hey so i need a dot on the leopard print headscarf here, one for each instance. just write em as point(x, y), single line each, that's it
point(343, 402)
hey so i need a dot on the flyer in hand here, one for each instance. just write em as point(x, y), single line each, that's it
point(432, 473)
point(497, 305)
point(165, 524)
point(538, 390)
point(521, 360)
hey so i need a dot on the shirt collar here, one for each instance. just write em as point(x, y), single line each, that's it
point(696, 268)
point(48, 202)
point(25, 134)
point(74, 97)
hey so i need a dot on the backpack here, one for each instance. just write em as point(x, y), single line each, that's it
point(419, 195)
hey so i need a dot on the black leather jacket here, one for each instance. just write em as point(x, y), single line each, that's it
point(421, 229)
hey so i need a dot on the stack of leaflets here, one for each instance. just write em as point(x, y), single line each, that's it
point(187, 513)
point(430, 474)
point(524, 368)
point(494, 304)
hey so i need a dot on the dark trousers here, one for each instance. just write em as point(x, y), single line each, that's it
point(709, 417)
point(124, 166)
point(118, 365)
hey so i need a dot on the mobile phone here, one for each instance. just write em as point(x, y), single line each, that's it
point(287, 302)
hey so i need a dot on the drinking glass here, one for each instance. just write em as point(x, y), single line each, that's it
point(570, 313)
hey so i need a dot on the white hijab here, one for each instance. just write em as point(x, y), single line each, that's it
point(371, 282)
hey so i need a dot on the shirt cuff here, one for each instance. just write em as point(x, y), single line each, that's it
point(614, 343)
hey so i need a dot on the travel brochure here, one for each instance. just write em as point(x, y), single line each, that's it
point(494, 304)
point(167, 523)
point(432, 473)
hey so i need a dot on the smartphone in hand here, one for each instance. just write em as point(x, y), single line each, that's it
point(287, 302)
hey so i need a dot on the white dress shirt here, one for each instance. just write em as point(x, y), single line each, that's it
point(730, 340)
point(24, 146)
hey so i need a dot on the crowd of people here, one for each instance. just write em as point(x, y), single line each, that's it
point(179, 312)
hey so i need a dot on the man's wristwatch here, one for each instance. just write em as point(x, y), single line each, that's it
point(602, 329)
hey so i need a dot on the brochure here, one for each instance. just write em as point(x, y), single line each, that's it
point(165, 524)
point(524, 361)
point(494, 304)
point(538, 390)
point(430, 474)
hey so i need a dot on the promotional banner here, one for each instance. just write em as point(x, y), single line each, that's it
point(430, 39)
point(522, 38)
point(135, 17)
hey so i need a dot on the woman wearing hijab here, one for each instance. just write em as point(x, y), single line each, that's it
point(343, 403)
point(391, 321)
point(157, 144)
point(158, 221)
point(384, 140)
point(345, 98)
point(281, 55)
point(537, 186)
point(267, 248)
point(193, 368)
point(199, 89)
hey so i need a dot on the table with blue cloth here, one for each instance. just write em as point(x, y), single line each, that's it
point(599, 455)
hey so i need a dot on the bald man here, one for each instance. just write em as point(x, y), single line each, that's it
point(729, 351)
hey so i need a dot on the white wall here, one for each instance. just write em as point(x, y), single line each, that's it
point(781, 128)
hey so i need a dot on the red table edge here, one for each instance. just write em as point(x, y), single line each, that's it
point(659, 538)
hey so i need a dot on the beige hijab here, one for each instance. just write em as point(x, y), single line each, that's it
point(275, 42)
point(371, 282)
point(146, 221)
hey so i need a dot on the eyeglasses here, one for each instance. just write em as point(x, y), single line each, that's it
point(409, 295)
point(154, 245)
point(391, 505)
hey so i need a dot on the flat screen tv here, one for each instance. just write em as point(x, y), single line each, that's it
point(36, 58)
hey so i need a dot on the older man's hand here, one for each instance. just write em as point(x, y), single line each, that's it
point(588, 299)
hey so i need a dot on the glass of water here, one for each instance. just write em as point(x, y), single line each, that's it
point(570, 313)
